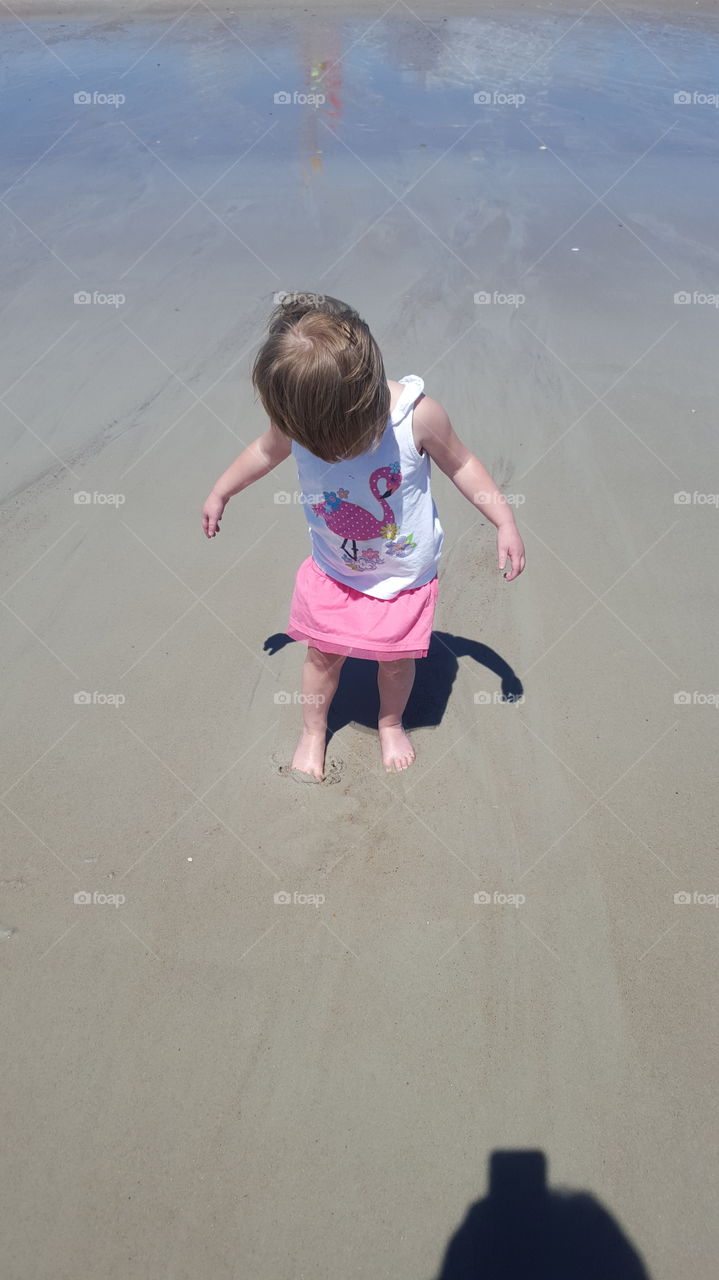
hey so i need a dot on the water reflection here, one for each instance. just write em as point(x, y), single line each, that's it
point(208, 86)
point(321, 56)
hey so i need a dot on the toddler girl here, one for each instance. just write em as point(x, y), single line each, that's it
point(363, 446)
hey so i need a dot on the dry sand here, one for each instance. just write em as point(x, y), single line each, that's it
point(200, 1081)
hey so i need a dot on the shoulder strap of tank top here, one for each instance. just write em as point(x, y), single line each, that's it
point(413, 386)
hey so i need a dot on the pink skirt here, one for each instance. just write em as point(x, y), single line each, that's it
point(339, 619)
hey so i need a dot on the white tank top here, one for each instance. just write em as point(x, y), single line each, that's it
point(372, 520)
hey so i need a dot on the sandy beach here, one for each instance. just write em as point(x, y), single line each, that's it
point(277, 1032)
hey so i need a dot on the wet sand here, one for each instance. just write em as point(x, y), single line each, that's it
point(202, 1080)
point(93, 10)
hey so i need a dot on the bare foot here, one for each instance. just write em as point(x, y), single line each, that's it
point(309, 756)
point(397, 750)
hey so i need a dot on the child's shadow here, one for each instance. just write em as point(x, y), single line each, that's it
point(357, 700)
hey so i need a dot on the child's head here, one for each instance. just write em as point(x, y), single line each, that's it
point(320, 377)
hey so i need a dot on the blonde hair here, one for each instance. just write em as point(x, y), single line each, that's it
point(321, 379)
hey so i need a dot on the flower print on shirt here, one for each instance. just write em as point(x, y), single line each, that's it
point(401, 547)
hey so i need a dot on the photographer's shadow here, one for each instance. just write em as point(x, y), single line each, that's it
point(522, 1230)
point(357, 700)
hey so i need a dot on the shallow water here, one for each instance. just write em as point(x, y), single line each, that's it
point(523, 255)
point(198, 190)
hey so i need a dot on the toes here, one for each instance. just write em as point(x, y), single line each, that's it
point(398, 763)
point(303, 775)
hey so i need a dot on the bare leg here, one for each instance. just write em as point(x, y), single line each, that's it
point(395, 680)
point(320, 676)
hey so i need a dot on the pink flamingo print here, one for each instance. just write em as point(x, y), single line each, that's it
point(355, 524)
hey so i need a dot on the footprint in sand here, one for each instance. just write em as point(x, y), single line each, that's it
point(334, 768)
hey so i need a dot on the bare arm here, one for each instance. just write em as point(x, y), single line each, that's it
point(434, 433)
point(262, 456)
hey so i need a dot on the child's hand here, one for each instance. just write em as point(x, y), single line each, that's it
point(510, 544)
point(212, 514)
